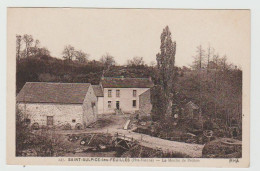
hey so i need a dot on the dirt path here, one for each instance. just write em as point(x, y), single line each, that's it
point(192, 150)
point(116, 124)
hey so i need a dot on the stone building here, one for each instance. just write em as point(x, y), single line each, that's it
point(58, 104)
point(77, 104)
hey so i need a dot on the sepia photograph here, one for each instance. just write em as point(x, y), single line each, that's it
point(149, 85)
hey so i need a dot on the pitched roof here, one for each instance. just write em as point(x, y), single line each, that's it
point(98, 90)
point(43, 92)
point(114, 82)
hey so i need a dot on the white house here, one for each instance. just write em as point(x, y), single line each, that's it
point(121, 94)
point(57, 104)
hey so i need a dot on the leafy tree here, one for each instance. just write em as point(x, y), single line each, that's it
point(43, 52)
point(68, 52)
point(158, 101)
point(81, 56)
point(166, 70)
point(107, 60)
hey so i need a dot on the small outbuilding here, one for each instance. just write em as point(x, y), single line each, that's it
point(58, 104)
point(191, 110)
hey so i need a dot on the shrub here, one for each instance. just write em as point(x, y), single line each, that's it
point(67, 126)
point(78, 126)
point(35, 126)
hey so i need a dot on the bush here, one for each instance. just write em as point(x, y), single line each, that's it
point(219, 149)
point(35, 126)
point(79, 126)
point(67, 126)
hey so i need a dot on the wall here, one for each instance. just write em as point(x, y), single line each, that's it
point(126, 99)
point(62, 113)
point(145, 105)
point(100, 102)
point(89, 111)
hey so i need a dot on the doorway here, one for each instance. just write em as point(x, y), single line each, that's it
point(49, 120)
point(117, 105)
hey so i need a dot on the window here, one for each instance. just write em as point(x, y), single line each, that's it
point(73, 120)
point(109, 93)
point(27, 121)
point(109, 104)
point(134, 93)
point(134, 103)
point(93, 104)
point(117, 93)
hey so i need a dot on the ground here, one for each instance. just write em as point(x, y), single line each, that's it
point(99, 140)
point(113, 124)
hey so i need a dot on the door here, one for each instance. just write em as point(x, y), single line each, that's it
point(117, 105)
point(49, 120)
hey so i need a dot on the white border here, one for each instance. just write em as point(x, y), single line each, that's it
point(254, 5)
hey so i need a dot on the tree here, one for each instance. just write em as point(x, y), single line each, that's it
point(165, 65)
point(28, 40)
point(209, 54)
point(199, 59)
point(223, 63)
point(81, 56)
point(136, 61)
point(152, 63)
point(68, 52)
point(18, 46)
point(107, 60)
point(43, 52)
point(158, 101)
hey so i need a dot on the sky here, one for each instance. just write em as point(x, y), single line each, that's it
point(126, 33)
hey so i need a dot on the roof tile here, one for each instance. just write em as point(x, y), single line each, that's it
point(43, 92)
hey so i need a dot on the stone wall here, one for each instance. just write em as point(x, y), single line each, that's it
point(145, 105)
point(100, 101)
point(90, 107)
point(62, 113)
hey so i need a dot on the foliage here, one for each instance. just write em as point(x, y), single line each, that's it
point(136, 61)
point(68, 52)
point(107, 61)
point(22, 132)
point(159, 103)
point(166, 73)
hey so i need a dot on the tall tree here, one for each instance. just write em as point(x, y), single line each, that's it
point(208, 58)
point(18, 46)
point(28, 40)
point(199, 59)
point(68, 52)
point(165, 64)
